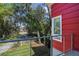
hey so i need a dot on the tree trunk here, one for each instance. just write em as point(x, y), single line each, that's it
point(3, 36)
point(21, 43)
point(17, 44)
point(38, 34)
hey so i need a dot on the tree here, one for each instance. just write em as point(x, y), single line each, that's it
point(11, 15)
point(20, 12)
point(37, 22)
point(5, 11)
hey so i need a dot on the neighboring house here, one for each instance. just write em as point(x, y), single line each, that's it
point(65, 22)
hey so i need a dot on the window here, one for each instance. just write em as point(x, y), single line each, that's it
point(57, 27)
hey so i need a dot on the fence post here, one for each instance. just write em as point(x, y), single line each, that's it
point(51, 46)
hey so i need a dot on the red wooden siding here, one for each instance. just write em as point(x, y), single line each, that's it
point(70, 23)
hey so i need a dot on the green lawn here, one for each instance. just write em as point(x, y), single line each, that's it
point(23, 50)
point(1, 44)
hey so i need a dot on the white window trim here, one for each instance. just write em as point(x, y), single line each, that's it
point(60, 28)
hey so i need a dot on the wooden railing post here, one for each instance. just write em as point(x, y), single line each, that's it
point(64, 39)
point(30, 47)
point(72, 37)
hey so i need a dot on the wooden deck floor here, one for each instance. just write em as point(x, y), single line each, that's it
point(70, 53)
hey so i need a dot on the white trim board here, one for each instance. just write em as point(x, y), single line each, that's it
point(60, 28)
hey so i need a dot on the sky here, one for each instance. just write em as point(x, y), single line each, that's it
point(34, 5)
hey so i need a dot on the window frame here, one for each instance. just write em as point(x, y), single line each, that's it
point(53, 34)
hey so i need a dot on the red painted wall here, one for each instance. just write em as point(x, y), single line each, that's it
point(70, 23)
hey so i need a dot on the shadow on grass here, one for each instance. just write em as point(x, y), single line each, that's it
point(41, 51)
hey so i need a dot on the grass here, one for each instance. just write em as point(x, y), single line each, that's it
point(23, 50)
point(12, 37)
point(1, 44)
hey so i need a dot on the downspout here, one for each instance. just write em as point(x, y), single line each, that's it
point(51, 41)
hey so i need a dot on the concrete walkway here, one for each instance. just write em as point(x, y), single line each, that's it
point(70, 53)
point(5, 47)
point(56, 52)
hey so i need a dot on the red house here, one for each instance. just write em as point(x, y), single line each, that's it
point(65, 22)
